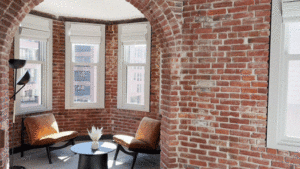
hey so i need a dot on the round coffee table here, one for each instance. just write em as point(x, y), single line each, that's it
point(93, 159)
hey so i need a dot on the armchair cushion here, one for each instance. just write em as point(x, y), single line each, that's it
point(56, 137)
point(131, 143)
point(149, 132)
point(43, 130)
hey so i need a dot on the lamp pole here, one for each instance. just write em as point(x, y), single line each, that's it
point(17, 64)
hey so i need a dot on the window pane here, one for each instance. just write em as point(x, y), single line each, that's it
point(292, 37)
point(32, 92)
point(85, 84)
point(32, 49)
point(293, 100)
point(135, 53)
point(135, 86)
point(85, 53)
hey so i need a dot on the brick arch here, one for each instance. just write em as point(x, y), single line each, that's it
point(163, 21)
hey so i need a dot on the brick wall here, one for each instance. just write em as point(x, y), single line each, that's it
point(223, 98)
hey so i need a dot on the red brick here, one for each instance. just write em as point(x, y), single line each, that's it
point(241, 28)
point(229, 162)
point(250, 153)
point(229, 126)
point(208, 36)
point(216, 12)
point(280, 164)
point(222, 4)
point(203, 30)
point(242, 15)
point(198, 151)
point(234, 41)
point(244, 2)
point(258, 40)
point(237, 9)
point(247, 165)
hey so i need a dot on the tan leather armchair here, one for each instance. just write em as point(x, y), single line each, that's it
point(146, 140)
point(43, 131)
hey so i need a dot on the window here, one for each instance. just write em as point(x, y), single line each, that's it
point(134, 66)
point(33, 43)
point(284, 89)
point(85, 65)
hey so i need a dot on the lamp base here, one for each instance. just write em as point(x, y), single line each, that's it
point(17, 167)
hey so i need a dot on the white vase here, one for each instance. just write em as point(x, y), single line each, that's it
point(95, 145)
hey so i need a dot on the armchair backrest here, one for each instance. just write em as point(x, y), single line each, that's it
point(149, 131)
point(39, 126)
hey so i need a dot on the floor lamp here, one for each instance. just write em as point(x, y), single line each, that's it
point(17, 64)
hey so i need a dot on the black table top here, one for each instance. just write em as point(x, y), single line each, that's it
point(86, 148)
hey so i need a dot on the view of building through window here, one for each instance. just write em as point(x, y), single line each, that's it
point(135, 54)
point(31, 51)
point(85, 73)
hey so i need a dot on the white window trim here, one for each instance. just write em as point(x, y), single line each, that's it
point(100, 70)
point(47, 66)
point(121, 101)
point(277, 110)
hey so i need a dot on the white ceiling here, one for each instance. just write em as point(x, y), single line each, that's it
point(93, 9)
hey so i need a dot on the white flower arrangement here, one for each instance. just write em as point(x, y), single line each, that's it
point(95, 135)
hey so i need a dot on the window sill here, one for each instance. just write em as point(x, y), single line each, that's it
point(33, 111)
point(134, 108)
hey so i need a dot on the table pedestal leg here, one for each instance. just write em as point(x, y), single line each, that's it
point(92, 161)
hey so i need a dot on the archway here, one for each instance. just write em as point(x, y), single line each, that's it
point(163, 21)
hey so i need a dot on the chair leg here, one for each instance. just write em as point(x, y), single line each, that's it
point(134, 159)
point(49, 155)
point(117, 152)
point(22, 152)
point(73, 142)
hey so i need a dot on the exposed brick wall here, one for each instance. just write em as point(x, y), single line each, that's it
point(111, 68)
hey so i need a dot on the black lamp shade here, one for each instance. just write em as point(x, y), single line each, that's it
point(25, 79)
point(16, 63)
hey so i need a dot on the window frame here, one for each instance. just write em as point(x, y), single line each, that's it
point(46, 81)
point(100, 103)
point(278, 81)
point(122, 68)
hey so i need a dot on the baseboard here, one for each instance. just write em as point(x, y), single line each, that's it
point(78, 138)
